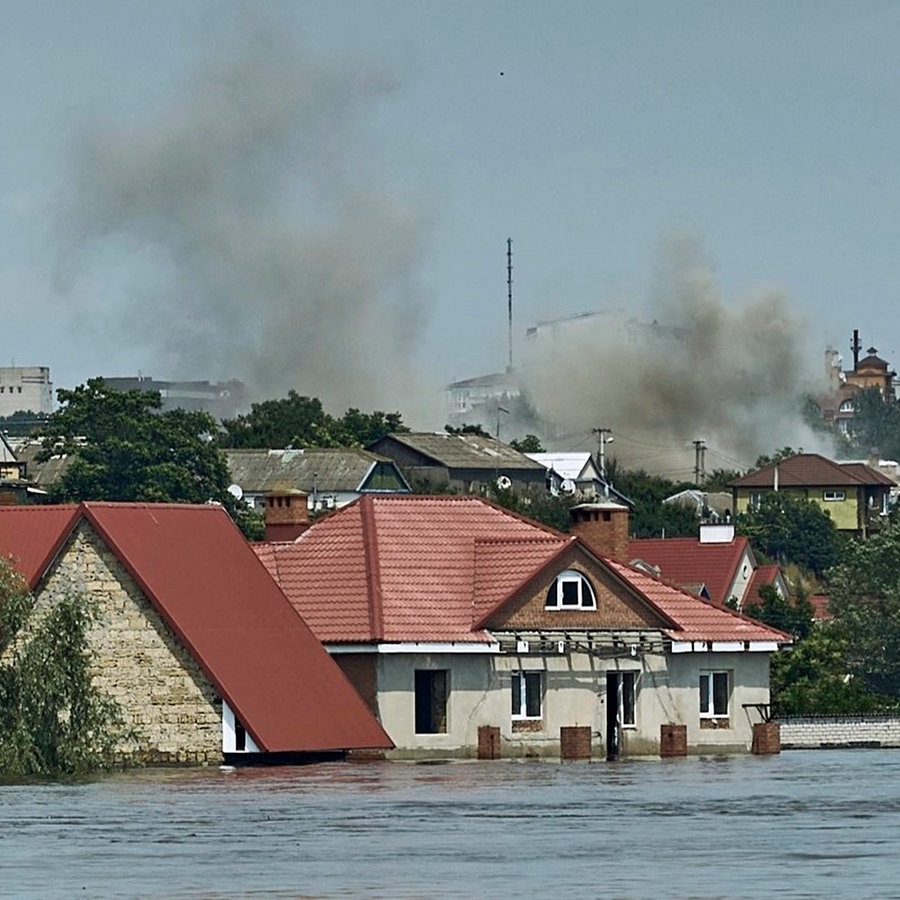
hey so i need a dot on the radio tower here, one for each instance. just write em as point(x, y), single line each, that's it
point(509, 366)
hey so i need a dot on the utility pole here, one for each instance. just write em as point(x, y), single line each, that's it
point(604, 437)
point(699, 461)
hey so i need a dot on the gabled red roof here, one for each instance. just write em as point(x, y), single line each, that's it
point(431, 569)
point(696, 620)
point(208, 586)
point(686, 561)
point(762, 576)
point(403, 568)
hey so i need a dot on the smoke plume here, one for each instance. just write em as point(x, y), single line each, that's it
point(272, 250)
point(688, 367)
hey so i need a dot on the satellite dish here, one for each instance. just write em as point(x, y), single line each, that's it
point(504, 483)
point(236, 491)
point(568, 486)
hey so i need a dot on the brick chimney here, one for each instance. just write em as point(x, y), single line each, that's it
point(287, 515)
point(603, 527)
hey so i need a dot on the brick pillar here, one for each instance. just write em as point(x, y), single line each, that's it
point(575, 742)
point(672, 740)
point(488, 742)
point(766, 738)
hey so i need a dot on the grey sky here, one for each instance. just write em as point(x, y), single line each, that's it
point(352, 206)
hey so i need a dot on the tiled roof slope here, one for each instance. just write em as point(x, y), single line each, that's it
point(415, 568)
point(464, 451)
point(696, 619)
point(208, 586)
point(399, 568)
point(811, 469)
point(762, 576)
point(332, 469)
point(685, 561)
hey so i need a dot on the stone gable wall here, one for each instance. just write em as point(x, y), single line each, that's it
point(168, 704)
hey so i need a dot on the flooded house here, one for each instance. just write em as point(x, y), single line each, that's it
point(470, 630)
point(200, 649)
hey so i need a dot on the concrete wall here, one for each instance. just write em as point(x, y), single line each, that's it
point(817, 732)
point(167, 702)
point(574, 695)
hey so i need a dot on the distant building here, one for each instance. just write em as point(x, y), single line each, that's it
point(221, 399)
point(25, 389)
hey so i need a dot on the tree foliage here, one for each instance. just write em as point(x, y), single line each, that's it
point(123, 448)
point(53, 720)
point(789, 528)
point(298, 421)
point(876, 425)
point(791, 614)
point(531, 443)
point(865, 602)
point(652, 518)
point(537, 504)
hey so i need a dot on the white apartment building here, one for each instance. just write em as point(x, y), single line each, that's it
point(25, 388)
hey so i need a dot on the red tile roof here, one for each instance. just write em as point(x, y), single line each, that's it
point(762, 576)
point(687, 562)
point(403, 568)
point(208, 586)
point(696, 620)
point(430, 569)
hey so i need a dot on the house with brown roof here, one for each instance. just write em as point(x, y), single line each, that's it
point(456, 619)
point(463, 462)
point(195, 642)
point(854, 494)
point(330, 477)
point(719, 566)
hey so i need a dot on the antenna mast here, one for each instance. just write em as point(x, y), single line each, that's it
point(509, 280)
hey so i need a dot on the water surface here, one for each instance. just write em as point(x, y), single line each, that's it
point(802, 824)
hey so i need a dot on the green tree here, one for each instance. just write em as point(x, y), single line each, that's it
point(22, 423)
point(876, 424)
point(865, 601)
point(651, 517)
point(788, 528)
point(122, 447)
point(537, 504)
point(467, 429)
point(791, 614)
point(814, 678)
point(53, 720)
point(298, 421)
point(531, 443)
point(720, 480)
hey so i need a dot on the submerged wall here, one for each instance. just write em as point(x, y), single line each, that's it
point(826, 732)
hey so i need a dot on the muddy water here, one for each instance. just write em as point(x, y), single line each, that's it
point(802, 824)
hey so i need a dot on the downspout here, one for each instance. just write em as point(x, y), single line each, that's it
point(775, 478)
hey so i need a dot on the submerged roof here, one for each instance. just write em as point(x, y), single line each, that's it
point(207, 585)
point(687, 561)
point(811, 469)
point(323, 469)
point(431, 569)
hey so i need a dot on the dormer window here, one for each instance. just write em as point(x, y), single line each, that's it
point(571, 590)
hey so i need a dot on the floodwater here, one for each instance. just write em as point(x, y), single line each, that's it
point(802, 824)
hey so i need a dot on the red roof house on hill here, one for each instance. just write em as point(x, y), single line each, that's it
point(197, 644)
point(452, 615)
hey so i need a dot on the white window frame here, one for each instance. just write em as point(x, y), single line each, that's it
point(556, 595)
point(519, 686)
point(834, 496)
point(708, 680)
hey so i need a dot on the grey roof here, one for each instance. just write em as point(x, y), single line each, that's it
point(43, 474)
point(331, 469)
point(6, 452)
point(577, 466)
point(465, 451)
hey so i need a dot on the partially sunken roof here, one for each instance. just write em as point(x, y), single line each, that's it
point(338, 469)
point(431, 569)
point(813, 470)
point(463, 451)
point(207, 585)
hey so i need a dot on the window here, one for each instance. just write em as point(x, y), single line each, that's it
point(714, 695)
point(432, 689)
point(834, 495)
point(571, 590)
point(527, 695)
point(756, 498)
